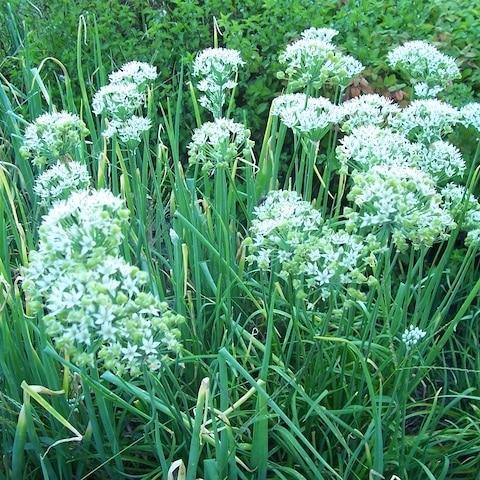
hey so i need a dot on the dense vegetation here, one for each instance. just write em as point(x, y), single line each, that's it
point(239, 262)
point(169, 32)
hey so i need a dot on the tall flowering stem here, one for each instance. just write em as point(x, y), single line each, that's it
point(216, 70)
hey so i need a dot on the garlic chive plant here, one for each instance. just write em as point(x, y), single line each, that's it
point(366, 110)
point(465, 209)
point(426, 120)
point(370, 145)
point(313, 61)
point(310, 117)
point(216, 71)
point(470, 115)
point(401, 201)
point(324, 34)
point(412, 336)
point(288, 237)
point(219, 144)
point(429, 70)
point(122, 99)
point(99, 311)
point(53, 136)
point(303, 308)
point(59, 181)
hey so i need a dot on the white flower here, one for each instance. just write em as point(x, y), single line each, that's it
point(470, 114)
point(283, 214)
point(122, 99)
point(423, 90)
point(426, 120)
point(465, 209)
point(149, 346)
point(139, 73)
point(60, 180)
point(130, 130)
point(371, 109)
point(219, 143)
point(367, 146)
point(442, 160)
point(53, 136)
point(216, 69)
point(312, 61)
point(130, 353)
point(306, 115)
point(324, 34)
point(429, 69)
point(411, 336)
point(223, 60)
point(288, 236)
point(118, 100)
point(402, 201)
point(92, 298)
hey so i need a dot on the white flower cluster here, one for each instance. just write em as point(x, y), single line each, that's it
point(441, 160)
point(370, 145)
point(59, 181)
point(129, 130)
point(402, 201)
point(412, 335)
point(426, 120)
point(324, 34)
point(97, 309)
point(118, 100)
point(470, 114)
point(367, 146)
point(308, 116)
point(465, 209)
point(288, 237)
point(216, 69)
point(371, 109)
point(282, 215)
point(122, 98)
point(314, 61)
point(53, 136)
point(429, 70)
point(140, 73)
point(218, 144)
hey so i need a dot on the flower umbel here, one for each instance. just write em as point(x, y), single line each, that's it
point(426, 120)
point(52, 137)
point(139, 73)
point(402, 201)
point(216, 69)
point(218, 144)
point(122, 99)
point(96, 304)
point(470, 114)
point(411, 336)
point(59, 181)
point(315, 62)
point(307, 116)
point(325, 34)
point(367, 146)
point(365, 110)
point(288, 237)
point(465, 209)
point(429, 70)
